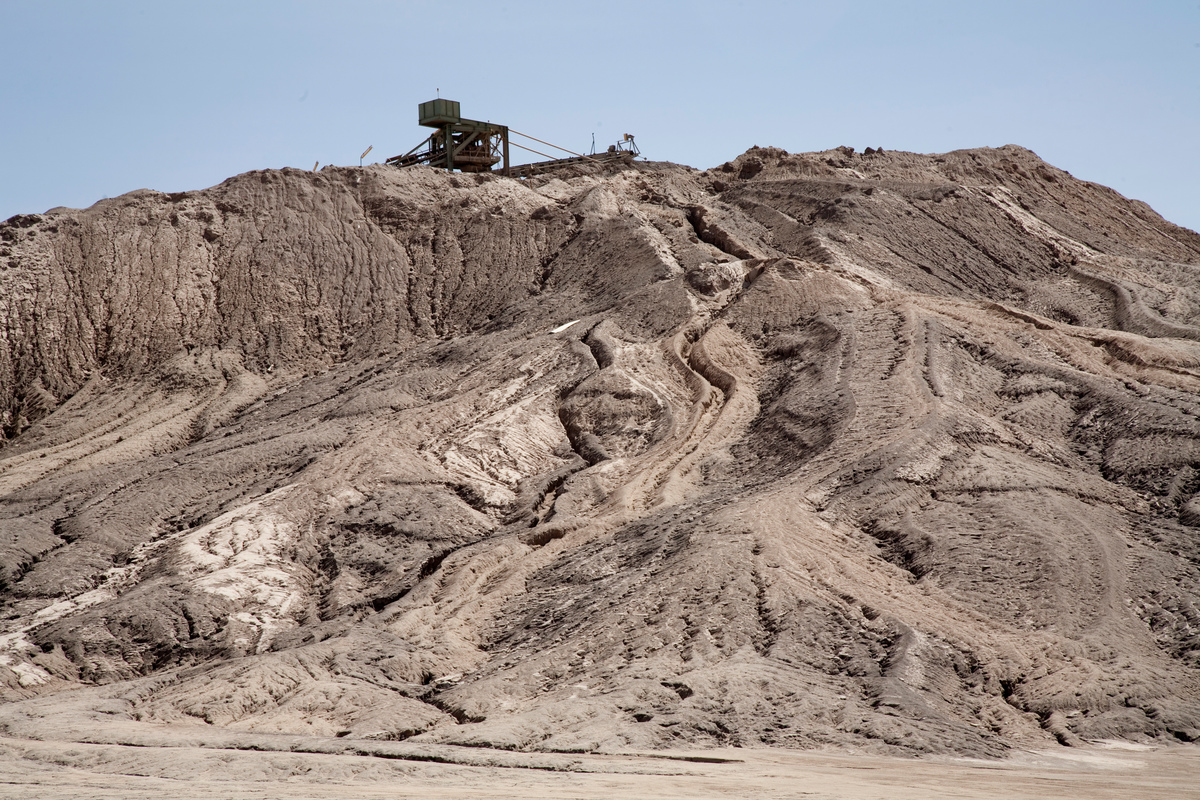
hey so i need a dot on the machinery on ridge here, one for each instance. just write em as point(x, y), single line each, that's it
point(456, 143)
point(470, 145)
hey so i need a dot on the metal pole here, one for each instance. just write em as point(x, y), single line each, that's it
point(504, 138)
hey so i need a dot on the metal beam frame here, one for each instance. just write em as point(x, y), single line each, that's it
point(474, 132)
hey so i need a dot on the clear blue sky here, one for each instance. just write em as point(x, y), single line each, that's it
point(99, 98)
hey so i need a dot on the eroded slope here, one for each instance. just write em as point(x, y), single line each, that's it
point(874, 450)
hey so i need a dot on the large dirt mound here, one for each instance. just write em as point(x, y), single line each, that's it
point(881, 450)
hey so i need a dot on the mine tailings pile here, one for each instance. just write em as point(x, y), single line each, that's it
point(879, 450)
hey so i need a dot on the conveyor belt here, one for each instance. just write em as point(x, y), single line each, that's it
point(537, 168)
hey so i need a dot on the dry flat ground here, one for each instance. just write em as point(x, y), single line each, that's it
point(880, 453)
point(53, 770)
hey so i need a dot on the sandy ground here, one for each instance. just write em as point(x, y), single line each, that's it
point(82, 771)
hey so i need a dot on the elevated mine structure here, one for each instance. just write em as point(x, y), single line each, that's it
point(456, 143)
point(470, 145)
